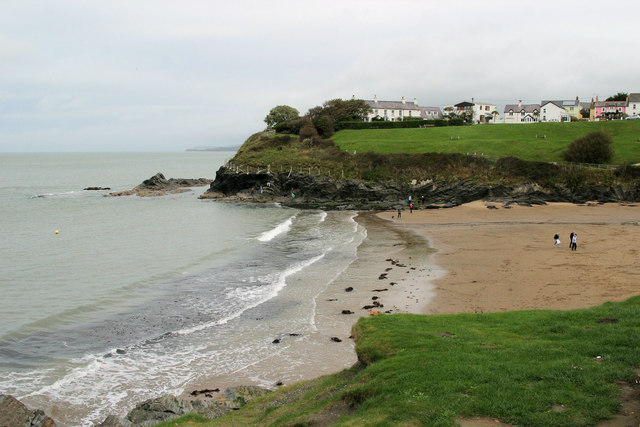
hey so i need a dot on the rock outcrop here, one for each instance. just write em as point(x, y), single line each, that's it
point(158, 185)
point(211, 405)
point(319, 191)
point(15, 413)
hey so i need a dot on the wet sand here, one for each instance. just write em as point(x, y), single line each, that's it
point(392, 273)
point(499, 259)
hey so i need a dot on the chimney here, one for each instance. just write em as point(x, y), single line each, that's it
point(472, 100)
point(353, 97)
point(519, 103)
point(403, 101)
point(375, 98)
point(577, 99)
point(415, 101)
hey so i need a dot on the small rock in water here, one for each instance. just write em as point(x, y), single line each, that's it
point(349, 289)
point(276, 341)
point(347, 312)
point(336, 339)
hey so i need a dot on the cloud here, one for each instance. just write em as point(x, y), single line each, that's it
point(167, 75)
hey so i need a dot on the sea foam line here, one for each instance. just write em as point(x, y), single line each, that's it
point(279, 284)
point(280, 229)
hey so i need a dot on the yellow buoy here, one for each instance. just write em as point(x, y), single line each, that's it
point(57, 232)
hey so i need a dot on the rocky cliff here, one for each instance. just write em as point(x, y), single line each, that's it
point(320, 191)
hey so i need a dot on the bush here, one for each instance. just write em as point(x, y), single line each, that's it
point(292, 126)
point(594, 147)
point(324, 125)
point(308, 131)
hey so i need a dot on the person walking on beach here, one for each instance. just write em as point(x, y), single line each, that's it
point(571, 241)
point(556, 241)
point(411, 208)
point(399, 213)
point(574, 242)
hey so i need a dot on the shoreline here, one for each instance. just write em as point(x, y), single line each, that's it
point(390, 269)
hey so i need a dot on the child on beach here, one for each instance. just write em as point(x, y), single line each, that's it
point(556, 241)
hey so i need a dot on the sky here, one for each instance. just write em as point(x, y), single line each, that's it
point(168, 75)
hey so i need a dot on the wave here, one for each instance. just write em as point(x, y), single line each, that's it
point(278, 230)
point(254, 295)
point(63, 194)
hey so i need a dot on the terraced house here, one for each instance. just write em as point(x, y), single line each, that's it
point(397, 110)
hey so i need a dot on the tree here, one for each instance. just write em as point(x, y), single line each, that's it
point(325, 127)
point(620, 96)
point(594, 147)
point(340, 110)
point(280, 114)
point(585, 113)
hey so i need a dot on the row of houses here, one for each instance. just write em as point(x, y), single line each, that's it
point(482, 112)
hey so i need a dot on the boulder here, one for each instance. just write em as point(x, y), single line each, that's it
point(15, 413)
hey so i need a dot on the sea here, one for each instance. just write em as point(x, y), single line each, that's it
point(108, 301)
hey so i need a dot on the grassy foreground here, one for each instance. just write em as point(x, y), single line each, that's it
point(534, 368)
point(494, 141)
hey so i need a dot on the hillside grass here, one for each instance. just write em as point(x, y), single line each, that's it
point(534, 368)
point(495, 141)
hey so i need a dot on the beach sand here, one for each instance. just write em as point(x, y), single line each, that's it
point(470, 258)
point(503, 259)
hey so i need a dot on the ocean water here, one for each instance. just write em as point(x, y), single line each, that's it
point(137, 297)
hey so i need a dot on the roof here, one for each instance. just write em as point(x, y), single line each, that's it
point(528, 108)
point(556, 103)
point(392, 105)
point(430, 112)
point(610, 104)
point(464, 104)
point(563, 103)
point(634, 97)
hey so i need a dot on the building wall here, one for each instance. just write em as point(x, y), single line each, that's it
point(552, 113)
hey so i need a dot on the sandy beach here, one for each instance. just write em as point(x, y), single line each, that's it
point(499, 259)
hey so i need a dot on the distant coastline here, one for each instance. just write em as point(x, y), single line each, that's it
point(227, 148)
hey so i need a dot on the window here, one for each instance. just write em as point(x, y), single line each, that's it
point(486, 108)
point(511, 112)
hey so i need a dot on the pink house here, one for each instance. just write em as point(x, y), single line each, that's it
point(607, 110)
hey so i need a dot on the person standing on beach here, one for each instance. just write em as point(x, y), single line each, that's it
point(574, 242)
point(411, 208)
point(399, 213)
point(556, 241)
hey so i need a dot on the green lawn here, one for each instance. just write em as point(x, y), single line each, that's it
point(534, 368)
point(494, 141)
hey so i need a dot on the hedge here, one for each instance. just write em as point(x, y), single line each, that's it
point(356, 125)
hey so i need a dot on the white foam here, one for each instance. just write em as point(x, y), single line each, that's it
point(280, 229)
point(255, 295)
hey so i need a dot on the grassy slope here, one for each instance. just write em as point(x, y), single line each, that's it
point(495, 141)
point(535, 368)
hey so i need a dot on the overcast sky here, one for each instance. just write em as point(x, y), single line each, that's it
point(160, 75)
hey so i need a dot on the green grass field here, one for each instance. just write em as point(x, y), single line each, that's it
point(534, 368)
point(494, 141)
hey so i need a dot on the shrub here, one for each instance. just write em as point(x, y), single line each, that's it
point(292, 126)
point(594, 147)
point(308, 131)
point(324, 125)
point(627, 172)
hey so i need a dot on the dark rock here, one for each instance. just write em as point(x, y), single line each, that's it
point(349, 289)
point(380, 290)
point(347, 312)
point(15, 413)
point(279, 384)
point(121, 351)
point(318, 191)
point(158, 185)
point(96, 188)
point(382, 276)
point(368, 307)
point(374, 298)
point(154, 411)
point(113, 421)
point(276, 341)
point(336, 339)
point(204, 391)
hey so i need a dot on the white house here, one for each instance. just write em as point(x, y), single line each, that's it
point(521, 113)
point(633, 106)
point(552, 111)
point(571, 106)
point(397, 110)
point(481, 112)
